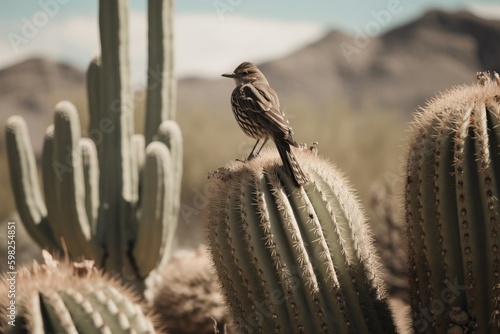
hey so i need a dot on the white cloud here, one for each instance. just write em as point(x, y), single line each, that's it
point(485, 10)
point(209, 46)
point(205, 45)
point(75, 41)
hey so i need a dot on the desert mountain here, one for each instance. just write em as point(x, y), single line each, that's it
point(400, 69)
point(32, 88)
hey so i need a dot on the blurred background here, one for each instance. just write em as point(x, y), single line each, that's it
point(349, 76)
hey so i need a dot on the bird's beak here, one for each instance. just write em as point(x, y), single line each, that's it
point(229, 75)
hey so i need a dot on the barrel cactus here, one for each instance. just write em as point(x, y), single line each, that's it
point(452, 211)
point(189, 301)
point(294, 260)
point(113, 197)
point(68, 298)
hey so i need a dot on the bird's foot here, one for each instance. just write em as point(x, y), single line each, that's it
point(252, 156)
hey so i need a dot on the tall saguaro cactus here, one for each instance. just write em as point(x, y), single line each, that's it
point(294, 260)
point(452, 212)
point(113, 198)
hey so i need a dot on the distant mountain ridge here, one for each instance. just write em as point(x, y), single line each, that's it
point(399, 70)
point(31, 89)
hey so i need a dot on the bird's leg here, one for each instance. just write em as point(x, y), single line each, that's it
point(261, 146)
point(252, 155)
point(256, 152)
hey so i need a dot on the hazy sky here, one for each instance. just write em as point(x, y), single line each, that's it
point(212, 36)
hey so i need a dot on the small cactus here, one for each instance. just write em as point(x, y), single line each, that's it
point(294, 260)
point(69, 298)
point(189, 298)
point(452, 211)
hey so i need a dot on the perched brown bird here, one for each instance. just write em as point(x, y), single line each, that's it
point(257, 109)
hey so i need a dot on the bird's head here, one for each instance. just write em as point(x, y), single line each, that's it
point(246, 73)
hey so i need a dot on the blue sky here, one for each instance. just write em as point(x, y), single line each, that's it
point(208, 32)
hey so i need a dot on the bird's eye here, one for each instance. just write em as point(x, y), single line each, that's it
point(245, 72)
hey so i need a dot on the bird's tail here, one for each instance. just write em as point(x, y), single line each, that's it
point(290, 163)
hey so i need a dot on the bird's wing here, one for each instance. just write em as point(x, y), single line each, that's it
point(263, 100)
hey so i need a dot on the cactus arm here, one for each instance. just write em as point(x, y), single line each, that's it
point(139, 148)
point(170, 134)
point(117, 169)
point(94, 101)
point(91, 179)
point(50, 182)
point(160, 103)
point(74, 225)
point(138, 157)
point(156, 208)
point(25, 186)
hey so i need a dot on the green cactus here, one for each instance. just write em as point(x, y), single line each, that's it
point(69, 298)
point(113, 197)
point(452, 211)
point(294, 260)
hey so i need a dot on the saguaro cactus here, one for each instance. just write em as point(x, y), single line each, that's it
point(69, 298)
point(452, 211)
point(294, 260)
point(113, 198)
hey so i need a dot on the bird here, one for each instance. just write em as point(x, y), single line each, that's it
point(257, 110)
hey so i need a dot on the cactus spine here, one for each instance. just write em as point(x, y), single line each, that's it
point(93, 206)
point(71, 298)
point(452, 211)
point(294, 260)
